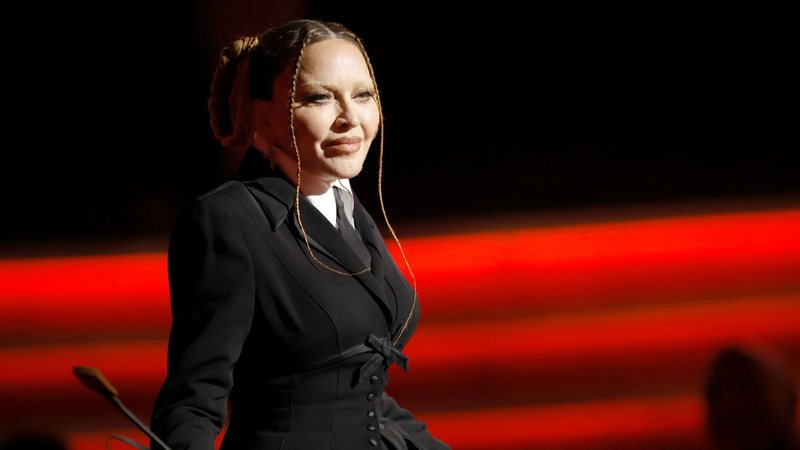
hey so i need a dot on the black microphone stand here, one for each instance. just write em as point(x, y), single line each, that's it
point(94, 380)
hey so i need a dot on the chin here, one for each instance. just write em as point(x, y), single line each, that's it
point(347, 169)
point(348, 173)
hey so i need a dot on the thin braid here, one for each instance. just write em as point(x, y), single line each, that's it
point(380, 190)
point(380, 177)
point(297, 153)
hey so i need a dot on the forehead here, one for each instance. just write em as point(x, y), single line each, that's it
point(333, 60)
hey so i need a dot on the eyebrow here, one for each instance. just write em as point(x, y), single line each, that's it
point(332, 88)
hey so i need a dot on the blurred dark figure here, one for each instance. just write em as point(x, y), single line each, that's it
point(752, 401)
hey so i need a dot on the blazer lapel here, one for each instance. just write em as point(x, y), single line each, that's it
point(325, 237)
point(372, 239)
point(322, 235)
point(386, 271)
point(383, 266)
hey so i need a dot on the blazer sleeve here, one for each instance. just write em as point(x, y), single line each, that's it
point(412, 427)
point(212, 300)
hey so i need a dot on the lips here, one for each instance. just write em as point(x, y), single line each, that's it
point(343, 144)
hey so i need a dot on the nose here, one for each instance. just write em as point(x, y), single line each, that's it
point(348, 117)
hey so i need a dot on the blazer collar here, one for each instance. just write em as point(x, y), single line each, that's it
point(276, 195)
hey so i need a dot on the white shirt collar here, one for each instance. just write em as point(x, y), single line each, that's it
point(326, 203)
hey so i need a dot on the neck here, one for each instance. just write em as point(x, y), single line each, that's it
point(310, 183)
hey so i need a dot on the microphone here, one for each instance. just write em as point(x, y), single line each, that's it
point(94, 380)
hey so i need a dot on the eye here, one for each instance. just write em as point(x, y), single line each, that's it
point(318, 97)
point(365, 94)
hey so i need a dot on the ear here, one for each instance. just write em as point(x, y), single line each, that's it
point(263, 135)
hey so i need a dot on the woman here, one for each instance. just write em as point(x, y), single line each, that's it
point(284, 297)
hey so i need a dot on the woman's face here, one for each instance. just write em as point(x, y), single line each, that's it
point(335, 112)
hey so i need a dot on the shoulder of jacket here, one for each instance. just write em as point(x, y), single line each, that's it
point(229, 198)
point(229, 188)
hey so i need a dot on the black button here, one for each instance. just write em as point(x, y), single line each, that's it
point(373, 442)
point(371, 428)
point(373, 379)
point(371, 397)
point(371, 413)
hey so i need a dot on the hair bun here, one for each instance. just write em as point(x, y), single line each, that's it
point(237, 49)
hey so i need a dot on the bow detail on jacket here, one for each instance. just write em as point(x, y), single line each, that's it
point(385, 351)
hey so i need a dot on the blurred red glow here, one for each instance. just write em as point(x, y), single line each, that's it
point(489, 273)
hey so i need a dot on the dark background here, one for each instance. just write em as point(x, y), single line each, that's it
point(490, 109)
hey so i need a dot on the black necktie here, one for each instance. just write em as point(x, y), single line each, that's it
point(347, 231)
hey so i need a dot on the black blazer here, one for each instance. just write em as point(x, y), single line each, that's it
point(301, 352)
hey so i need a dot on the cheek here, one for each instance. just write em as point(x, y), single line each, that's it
point(370, 120)
point(313, 125)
